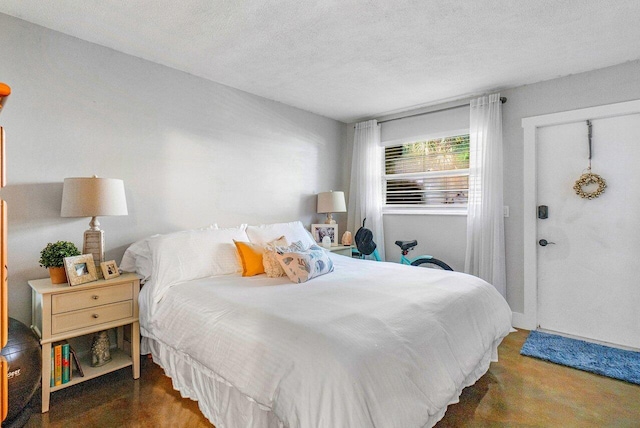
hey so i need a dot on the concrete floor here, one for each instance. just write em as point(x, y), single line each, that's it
point(516, 392)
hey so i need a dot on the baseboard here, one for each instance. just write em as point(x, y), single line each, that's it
point(519, 320)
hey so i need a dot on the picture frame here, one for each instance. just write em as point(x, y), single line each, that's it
point(80, 269)
point(109, 269)
point(319, 231)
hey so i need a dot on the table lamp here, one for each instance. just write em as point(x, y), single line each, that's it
point(93, 197)
point(331, 202)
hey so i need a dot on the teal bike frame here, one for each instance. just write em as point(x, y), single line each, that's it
point(404, 260)
point(424, 260)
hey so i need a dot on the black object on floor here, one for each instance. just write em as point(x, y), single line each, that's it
point(23, 357)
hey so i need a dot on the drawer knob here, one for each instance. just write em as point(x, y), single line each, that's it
point(95, 315)
point(94, 297)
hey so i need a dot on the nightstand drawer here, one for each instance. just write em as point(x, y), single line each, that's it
point(67, 321)
point(65, 302)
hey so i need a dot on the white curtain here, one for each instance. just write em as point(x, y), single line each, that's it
point(485, 255)
point(365, 191)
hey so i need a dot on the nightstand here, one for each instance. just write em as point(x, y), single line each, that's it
point(343, 250)
point(62, 312)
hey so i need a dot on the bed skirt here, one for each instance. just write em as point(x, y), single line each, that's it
point(218, 400)
point(226, 407)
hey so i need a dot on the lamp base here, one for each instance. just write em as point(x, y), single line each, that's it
point(329, 219)
point(94, 244)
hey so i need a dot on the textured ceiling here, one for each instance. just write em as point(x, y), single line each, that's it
point(348, 59)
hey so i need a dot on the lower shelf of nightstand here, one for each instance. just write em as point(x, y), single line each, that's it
point(119, 359)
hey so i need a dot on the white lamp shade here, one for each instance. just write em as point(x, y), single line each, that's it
point(93, 196)
point(331, 202)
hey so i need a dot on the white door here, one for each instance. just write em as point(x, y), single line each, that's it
point(589, 279)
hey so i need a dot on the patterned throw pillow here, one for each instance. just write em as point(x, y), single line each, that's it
point(301, 266)
point(271, 265)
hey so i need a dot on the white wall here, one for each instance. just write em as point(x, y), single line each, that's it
point(191, 152)
point(442, 236)
point(445, 236)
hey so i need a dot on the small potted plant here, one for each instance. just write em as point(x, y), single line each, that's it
point(52, 257)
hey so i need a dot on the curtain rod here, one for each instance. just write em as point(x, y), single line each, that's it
point(502, 100)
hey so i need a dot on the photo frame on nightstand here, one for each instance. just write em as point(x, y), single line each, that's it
point(319, 231)
point(80, 269)
point(109, 269)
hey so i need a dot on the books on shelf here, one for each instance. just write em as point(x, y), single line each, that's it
point(57, 368)
point(63, 358)
point(66, 366)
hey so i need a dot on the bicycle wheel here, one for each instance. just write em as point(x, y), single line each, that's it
point(432, 263)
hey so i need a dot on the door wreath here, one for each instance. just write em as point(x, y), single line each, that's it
point(585, 180)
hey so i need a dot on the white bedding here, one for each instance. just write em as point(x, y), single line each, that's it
point(371, 344)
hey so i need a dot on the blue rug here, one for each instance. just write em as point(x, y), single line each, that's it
point(591, 357)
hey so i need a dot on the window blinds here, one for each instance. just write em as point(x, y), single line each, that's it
point(428, 173)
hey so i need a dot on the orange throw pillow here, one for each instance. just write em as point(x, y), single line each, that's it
point(251, 256)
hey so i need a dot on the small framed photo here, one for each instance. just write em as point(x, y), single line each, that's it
point(319, 231)
point(109, 269)
point(80, 269)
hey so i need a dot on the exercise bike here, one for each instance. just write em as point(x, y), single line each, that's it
point(366, 247)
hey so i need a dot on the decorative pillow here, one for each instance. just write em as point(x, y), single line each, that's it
point(194, 254)
point(301, 266)
point(251, 257)
point(271, 264)
point(137, 258)
point(293, 231)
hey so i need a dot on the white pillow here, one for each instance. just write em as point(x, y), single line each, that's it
point(293, 231)
point(137, 258)
point(194, 254)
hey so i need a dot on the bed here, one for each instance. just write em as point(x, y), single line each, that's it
point(370, 344)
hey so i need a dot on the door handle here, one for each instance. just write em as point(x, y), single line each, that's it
point(544, 243)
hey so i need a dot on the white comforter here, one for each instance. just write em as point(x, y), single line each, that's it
point(371, 344)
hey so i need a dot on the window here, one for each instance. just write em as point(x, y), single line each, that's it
point(427, 174)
